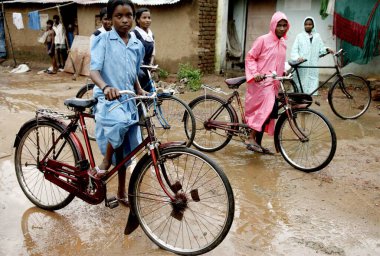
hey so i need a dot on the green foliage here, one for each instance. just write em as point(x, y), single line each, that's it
point(162, 73)
point(192, 75)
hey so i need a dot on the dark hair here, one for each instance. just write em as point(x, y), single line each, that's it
point(50, 22)
point(56, 17)
point(112, 4)
point(310, 20)
point(103, 12)
point(139, 12)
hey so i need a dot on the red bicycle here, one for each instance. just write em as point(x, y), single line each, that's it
point(180, 197)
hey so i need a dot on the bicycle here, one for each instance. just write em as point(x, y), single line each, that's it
point(304, 137)
point(180, 197)
point(168, 109)
point(349, 96)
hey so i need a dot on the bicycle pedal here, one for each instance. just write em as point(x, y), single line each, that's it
point(112, 202)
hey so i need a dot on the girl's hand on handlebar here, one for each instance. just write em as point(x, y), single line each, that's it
point(259, 77)
point(111, 93)
point(330, 51)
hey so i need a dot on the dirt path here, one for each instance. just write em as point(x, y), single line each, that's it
point(279, 210)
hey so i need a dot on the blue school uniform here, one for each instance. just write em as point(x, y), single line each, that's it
point(118, 64)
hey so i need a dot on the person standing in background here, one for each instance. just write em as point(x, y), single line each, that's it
point(49, 43)
point(106, 24)
point(145, 35)
point(308, 46)
point(59, 42)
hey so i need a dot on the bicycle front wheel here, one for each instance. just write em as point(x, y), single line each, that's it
point(202, 212)
point(34, 142)
point(86, 92)
point(211, 108)
point(350, 97)
point(169, 120)
point(319, 148)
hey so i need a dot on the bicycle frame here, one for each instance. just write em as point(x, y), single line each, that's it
point(226, 126)
point(336, 73)
point(78, 174)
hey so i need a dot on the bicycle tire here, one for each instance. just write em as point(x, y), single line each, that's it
point(314, 154)
point(340, 94)
point(208, 139)
point(86, 92)
point(172, 111)
point(37, 189)
point(205, 213)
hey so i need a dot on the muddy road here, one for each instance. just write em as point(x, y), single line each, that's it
point(279, 210)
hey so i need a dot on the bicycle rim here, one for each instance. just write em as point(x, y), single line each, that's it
point(169, 121)
point(350, 98)
point(210, 139)
point(319, 149)
point(204, 212)
point(40, 191)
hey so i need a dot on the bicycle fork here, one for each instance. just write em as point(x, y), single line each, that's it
point(294, 126)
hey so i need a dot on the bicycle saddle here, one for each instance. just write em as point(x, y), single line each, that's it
point(234, 83)
point(295, 63)
point(79, 103)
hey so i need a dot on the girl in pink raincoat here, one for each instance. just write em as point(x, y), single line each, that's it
point(267, 54)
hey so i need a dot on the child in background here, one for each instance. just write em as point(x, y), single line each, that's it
point(49, 43)
point(145, 35)
point(267, 54)
point(106, 24)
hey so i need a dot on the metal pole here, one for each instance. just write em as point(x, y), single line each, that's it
point(9, 34)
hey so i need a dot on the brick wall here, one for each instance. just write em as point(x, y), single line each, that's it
point(207, 35)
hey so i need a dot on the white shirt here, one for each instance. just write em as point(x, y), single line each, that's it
point(59, 34)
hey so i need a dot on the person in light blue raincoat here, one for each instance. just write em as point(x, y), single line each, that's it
point(116, 57)
point(308, 45)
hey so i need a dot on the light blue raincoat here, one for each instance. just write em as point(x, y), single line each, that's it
point(118, 65)
point(302, 47)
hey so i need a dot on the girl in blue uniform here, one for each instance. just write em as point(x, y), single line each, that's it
point(115, 62)
point(145, 35)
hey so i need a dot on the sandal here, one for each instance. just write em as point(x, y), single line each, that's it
point(254, 148)
point(96, 173)
point(51, 72)
point(267, 151)
point(124, 201)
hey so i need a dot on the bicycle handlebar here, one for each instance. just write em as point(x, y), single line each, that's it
point(149, 67)
point(134, 97)
point(276, 77)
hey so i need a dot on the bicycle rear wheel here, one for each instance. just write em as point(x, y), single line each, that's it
point(350, 97)
point(210, 107)
point(169, 120)
point(203, 211)
point(86, 92)
point(313, 154)
point(32, 144)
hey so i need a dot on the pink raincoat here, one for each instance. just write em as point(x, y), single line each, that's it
point(267, 54)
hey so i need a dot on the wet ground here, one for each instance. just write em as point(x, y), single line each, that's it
point(279, 210)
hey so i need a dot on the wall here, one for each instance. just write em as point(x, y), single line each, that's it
point(24, 41)
point(207, 35)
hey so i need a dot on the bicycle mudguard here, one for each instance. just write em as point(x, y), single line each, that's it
point(30, 122)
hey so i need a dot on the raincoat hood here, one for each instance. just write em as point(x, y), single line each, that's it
point(275, 19)
point(309, 18)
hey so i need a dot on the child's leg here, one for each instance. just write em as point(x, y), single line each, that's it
point(106, 163)
point(121, 193)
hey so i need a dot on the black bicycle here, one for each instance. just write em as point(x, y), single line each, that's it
point(349, 96)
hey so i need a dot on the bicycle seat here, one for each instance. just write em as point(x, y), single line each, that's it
point(80, 104)
point(295, 63)
point(234, 83)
